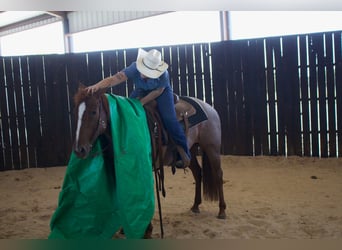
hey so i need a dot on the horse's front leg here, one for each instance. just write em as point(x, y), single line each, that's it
point(197, 174)
point(148, 232)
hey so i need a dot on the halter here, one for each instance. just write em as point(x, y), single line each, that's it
point(102, 121)
point(101, 125)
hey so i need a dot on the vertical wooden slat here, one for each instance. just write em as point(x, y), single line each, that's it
point(32, 110)
point(338, 72)
point(27, 105)
point(94, 67)
point(182, 70)
point(291, 102)
point(231, 89)
point(6, 146)
point(238, 96)
point(270, 45)
point(319, 46)
point(207, 74)
point(231, 102)
point(120, 64)
point(251, 95)
point(174, 69)
point(20, 114)
point(219, 59)
point(50, 112)
point(131, 56)
point(44, 155)
point(106, 60)
point(166, 51)
point(2, 105)
point(304, 86)
point(190, 70)
point(331, 95)
point(58, 133)
point(313, 96)
point(199, 72)
point(39, 91)
point(257, 87)
point(12, 113)
point(281, 89)
point(112, 64)
point(282, 96)
point(244, 117)
point(80, 69)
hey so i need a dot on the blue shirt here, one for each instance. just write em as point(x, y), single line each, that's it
point(146, 84)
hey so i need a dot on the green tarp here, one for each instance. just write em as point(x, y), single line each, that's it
point(97, 199)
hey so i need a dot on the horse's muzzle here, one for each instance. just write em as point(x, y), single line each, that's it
point(82, 151)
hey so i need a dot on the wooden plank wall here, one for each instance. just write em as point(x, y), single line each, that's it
point(275, 96)
point(280, 95)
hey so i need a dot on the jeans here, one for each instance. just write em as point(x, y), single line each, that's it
point(166, 109)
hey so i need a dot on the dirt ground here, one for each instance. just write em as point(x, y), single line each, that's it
point(267, 198)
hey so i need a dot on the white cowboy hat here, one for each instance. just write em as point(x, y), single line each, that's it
point(150, 63)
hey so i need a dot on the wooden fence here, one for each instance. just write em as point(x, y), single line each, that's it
point(275, 96)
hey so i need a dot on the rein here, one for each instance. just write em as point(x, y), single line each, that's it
point(154, 124)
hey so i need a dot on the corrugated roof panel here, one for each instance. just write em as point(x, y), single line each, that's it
point(85, 20)
point(30, 25)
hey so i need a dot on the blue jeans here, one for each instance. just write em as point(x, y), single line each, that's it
point(166, 109)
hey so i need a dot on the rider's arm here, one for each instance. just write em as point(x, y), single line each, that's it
point(151, 96)
point(107, 82)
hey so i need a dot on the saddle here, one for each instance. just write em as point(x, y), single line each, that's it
point(185, 110)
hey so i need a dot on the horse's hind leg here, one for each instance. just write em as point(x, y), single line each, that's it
point(216, 164)
point(212, 168)
point(197, 173)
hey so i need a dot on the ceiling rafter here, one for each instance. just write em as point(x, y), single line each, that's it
point(40, 16)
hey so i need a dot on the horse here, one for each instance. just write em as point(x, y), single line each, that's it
point(204, 136)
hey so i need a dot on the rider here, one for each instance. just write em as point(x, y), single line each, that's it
point(151, 79)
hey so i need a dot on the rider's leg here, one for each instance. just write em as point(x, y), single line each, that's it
point(168, 115)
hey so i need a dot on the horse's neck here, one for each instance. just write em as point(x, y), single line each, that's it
point(105, 114)
point(105, 106)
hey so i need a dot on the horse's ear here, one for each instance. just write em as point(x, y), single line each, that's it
point(81, 86)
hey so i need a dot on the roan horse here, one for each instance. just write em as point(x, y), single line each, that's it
point(92, 113)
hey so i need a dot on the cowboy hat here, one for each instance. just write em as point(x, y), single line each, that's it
point(150, 63)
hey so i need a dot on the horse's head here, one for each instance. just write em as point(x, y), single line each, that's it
point(91, 120)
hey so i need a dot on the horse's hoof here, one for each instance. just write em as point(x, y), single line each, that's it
point(147, 237)
point(148, 232)
point(221, 216)
point(195, 210)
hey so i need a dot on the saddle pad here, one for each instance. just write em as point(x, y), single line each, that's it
point(195, 117)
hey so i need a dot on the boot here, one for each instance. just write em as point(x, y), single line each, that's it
point(184, 162)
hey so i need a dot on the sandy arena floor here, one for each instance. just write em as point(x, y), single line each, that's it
point(267, 198)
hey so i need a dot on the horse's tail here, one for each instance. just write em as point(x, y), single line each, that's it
point(210, 180)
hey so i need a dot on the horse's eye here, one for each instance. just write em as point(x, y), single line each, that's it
point(93, 112)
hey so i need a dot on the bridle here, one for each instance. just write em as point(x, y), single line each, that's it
point(100, 128)
point(102, 124)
